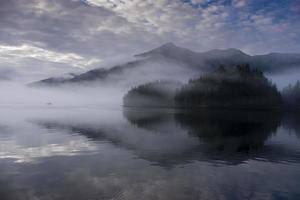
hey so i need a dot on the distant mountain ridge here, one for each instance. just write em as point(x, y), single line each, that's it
point(185, 59)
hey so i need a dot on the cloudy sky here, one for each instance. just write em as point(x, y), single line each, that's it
point(42, 38)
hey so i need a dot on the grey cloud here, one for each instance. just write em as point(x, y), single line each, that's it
point(98, 29)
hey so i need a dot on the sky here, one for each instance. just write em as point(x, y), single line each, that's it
point(44, 38)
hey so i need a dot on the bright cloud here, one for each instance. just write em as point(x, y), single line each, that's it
point(16, 53)
point(60, 36)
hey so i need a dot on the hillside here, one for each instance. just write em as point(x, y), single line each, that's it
point(169, 60)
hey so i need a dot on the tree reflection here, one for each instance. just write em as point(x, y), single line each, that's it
point(156, 120)
point(230, 131)
point(227, 136)
point(168, 138)
point(291, 122)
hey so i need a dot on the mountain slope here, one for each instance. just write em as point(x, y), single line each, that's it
point(170, 62)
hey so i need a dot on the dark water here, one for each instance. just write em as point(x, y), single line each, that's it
point(94, 153)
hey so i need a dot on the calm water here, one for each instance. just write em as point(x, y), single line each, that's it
point(95, 153)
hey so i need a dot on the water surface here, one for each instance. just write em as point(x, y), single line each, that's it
point(96, 153)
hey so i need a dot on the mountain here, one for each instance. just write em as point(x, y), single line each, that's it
point(173, 52)
point(172, 62)
point(204, 61)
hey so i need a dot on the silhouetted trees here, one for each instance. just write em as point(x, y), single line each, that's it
point(239, 88)
point(154, 94)
point(242, 87)
point(291, 96)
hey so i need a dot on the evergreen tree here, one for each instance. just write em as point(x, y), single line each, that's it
point(241, 88)
point(291, 96)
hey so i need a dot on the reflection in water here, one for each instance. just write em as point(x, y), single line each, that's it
point(231, 137)
point(142, 154)
point(292, 122)
point(224, 137)
point(229, 134)
point(161, 121)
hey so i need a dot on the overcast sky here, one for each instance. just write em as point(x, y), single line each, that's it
point(42, 38)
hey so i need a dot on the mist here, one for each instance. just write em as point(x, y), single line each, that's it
point(17, 94)
point(108, 92)
point(157, 70)
point(284, 78)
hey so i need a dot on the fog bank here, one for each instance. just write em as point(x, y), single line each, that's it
point(284, 78)
point(16, 94)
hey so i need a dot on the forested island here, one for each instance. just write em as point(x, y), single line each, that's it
point(242, 88)
point(154, 94)
point(238, 88)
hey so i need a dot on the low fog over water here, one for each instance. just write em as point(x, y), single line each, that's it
point(21, 95)
point(109, 92)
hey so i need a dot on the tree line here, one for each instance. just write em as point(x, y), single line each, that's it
point(241, 87)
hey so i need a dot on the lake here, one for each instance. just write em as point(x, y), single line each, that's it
point(95, 153)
